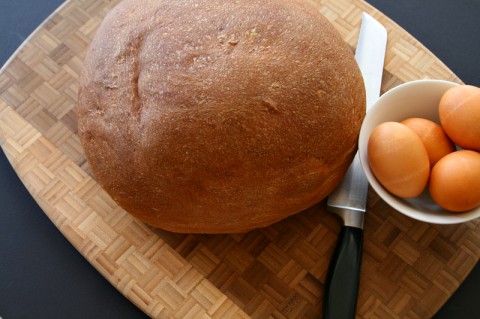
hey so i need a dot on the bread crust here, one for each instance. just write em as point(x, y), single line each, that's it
point(218, 116)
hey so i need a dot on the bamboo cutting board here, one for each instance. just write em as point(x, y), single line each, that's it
point(409, 269)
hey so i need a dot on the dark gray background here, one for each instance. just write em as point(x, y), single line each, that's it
point(43, 276)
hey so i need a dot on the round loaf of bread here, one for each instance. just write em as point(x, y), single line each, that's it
point(218, 116)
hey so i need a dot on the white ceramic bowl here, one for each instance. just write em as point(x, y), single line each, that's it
point(412, 99)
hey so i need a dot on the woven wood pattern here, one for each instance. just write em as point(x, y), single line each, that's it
point(409, 269)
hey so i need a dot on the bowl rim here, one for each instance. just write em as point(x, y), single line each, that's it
point(401, 205)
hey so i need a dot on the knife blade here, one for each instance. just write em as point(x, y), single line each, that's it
point(349, 199)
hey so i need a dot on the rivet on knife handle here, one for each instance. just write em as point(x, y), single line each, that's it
point(349, 199)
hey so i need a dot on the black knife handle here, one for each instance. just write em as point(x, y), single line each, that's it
point(341, 291)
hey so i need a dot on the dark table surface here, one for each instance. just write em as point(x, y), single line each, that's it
point(43, 276)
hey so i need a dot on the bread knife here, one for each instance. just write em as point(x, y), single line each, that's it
point(349, 199)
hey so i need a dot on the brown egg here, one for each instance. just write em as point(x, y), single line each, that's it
point(455, 181)
point(459, 112)
point(433, 137)
point(398, 159)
